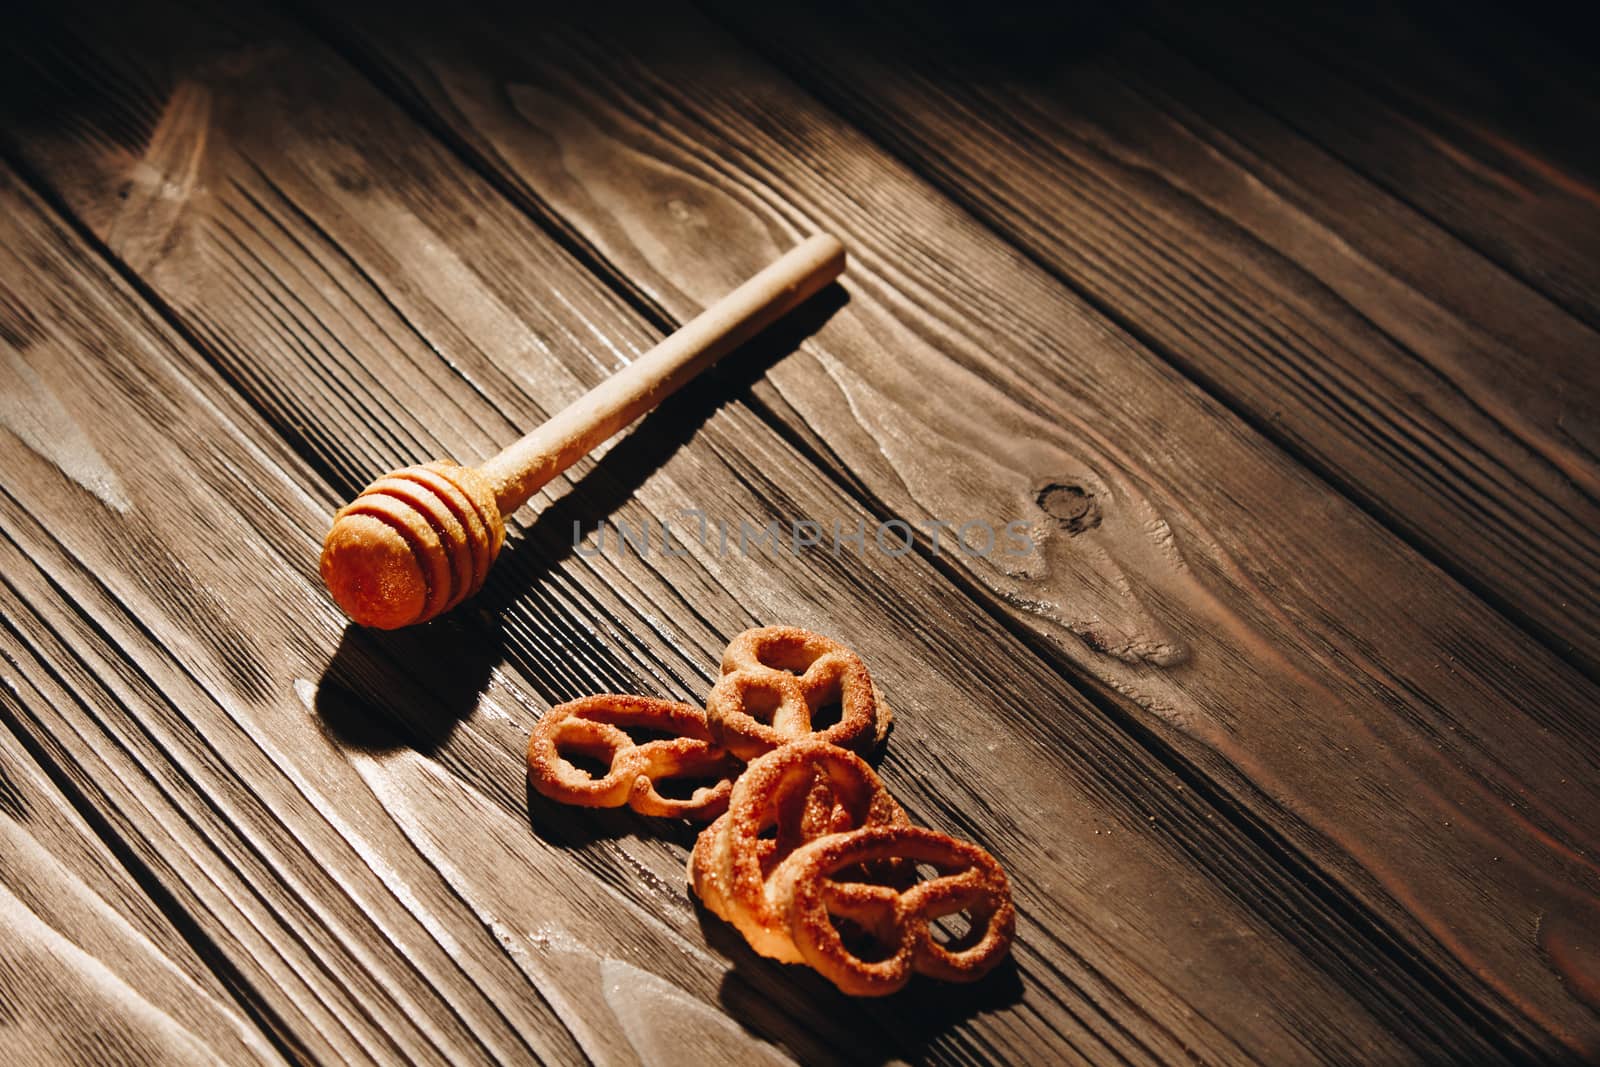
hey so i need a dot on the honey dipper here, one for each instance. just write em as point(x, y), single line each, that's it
point(420, 540)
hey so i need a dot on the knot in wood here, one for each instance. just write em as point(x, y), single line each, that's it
point(1073, 507)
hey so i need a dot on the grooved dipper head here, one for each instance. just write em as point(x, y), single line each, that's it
point(414, 544)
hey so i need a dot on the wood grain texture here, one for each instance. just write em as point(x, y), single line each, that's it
point(1484, 118)
point(378, 303)
point(1390, 355)
point(1425, 758)
point(142, 683)
point(91, 971)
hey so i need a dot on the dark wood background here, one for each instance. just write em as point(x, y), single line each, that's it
point(1278, 332)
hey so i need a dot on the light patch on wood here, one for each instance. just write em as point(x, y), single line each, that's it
point(92, 1013)
point(669, 1028)
point(160, 186)
point(29, 409)
point(59, 898)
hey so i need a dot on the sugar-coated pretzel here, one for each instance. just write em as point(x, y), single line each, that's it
point(806, 888)
point(802, 792)
point(596, 727)
point(774, 681)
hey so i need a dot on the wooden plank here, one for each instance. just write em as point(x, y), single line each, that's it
point(1153, 927)
point(1427, 759)
point(91, 971)
point(1486, 122)
point(1449, 398)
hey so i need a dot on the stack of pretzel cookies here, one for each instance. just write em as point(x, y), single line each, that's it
point(806, 854)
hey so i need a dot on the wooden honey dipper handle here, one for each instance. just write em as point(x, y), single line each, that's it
point(523, 468)
point(420, 540)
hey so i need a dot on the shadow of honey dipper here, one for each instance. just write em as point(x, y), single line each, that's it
point(420, 540)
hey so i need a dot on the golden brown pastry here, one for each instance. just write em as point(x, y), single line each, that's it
point(774, 682)
point(821, 883)
point(841, 857)
point(791, 796)
point(596, 727)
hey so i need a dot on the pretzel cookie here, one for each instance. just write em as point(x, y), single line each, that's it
point(802, 792)
point(596, 727)
point(774, 682)
point(821, 883)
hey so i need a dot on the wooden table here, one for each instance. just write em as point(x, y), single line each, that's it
point(1276, 338)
